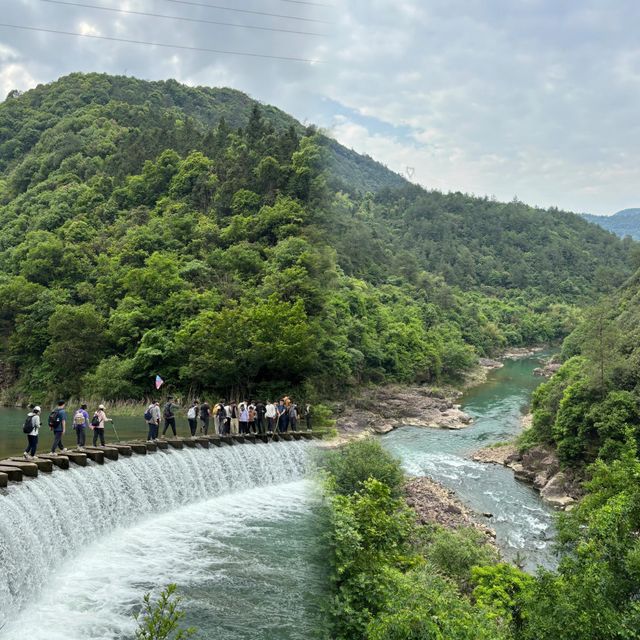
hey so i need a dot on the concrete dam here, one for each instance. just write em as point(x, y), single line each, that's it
point(72, 504)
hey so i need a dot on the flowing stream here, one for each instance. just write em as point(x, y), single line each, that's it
point(523, 524)
point(236, 528)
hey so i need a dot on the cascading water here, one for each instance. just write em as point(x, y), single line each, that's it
point(46, 523)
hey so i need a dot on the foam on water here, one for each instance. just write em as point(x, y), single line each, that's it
point(46, 522)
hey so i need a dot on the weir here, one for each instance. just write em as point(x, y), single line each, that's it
point(44, 520)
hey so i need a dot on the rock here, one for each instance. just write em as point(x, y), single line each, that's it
point(555, 492)
point(496, 455)
point(548, 370)
point(488, 363)
point(433, 503)
point(383, 428)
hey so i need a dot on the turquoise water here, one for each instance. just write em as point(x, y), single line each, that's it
point(523, 524)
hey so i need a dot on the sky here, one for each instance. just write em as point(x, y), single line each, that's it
point(534, 99)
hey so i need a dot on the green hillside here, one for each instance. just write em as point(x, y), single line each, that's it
point(624, 223)
point(148, 227)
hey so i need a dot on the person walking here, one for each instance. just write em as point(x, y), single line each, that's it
point(307, 416)
point(234, 419)
point(281, 416)
point(218, 417)
point(33, 423)
point(97, 424)
point(227, 419)
point(270, 413)
point(243, 418)
point(205, 416)
point(169, 416)
point(192, 418)
point(252, 417)
point(152, 417)
point(260, 411)
point(81, 424)
point(58, 424)
point(292, 415)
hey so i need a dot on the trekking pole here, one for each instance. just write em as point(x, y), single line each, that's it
point(114, 430)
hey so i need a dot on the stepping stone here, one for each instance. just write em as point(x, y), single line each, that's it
point(203, 441)
point(238, 438)
point(188, 442)
point(109, 452)
point(317, 436)
point(13, 473)
point(263, 437)
point(162, 444)
point(141, 448)
point(176, 443)
point(60, 461)
point(150, 446)
point(28, 468)
point(307, 435)
point(215, 441)
point(123, 449)
point(251, 437)
point(43, 465)
point(296, 435)
point(275, 437)
point(77, 457)
point(4, 480)
point(226, 440)
point(95, 454)
point(286, 436)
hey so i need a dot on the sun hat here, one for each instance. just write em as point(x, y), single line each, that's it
point(36, 409)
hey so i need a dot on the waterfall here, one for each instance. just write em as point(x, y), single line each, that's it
point(45, 520)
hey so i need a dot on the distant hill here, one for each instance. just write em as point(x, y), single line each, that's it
point(624, 223)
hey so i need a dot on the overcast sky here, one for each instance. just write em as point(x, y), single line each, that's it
point(530, 98)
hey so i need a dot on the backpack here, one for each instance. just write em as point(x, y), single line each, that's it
point(54, 419)
point(191, 414)
point(147, 415)
point(78, 418)
point(28, 425)
point(95, 421)
point(168, 413)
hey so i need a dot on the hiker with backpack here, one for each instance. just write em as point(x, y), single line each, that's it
point(152, 418)
point(81, 424)
point(98, 423)
point(58, 425)
point(32, 428)
point(192, 418)
point(205, 416)
point(169, 416)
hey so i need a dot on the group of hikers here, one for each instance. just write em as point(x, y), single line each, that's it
point(229, 418)
point(58, 422)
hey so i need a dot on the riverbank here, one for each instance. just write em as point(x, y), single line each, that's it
point(538, 466)
point(435, 504)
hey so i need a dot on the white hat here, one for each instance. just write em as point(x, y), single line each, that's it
point(36, 409)
point(100, 406)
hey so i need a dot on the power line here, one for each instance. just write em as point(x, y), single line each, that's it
point(312, 4)
point(184, 19)
point(159, 44)
point(256, 13)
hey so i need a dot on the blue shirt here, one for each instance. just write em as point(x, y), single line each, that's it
point(62, 417)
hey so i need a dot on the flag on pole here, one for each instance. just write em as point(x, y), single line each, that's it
point(159, 382)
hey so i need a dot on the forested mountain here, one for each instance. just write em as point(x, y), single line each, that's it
point(148, 227)
point(624, 223)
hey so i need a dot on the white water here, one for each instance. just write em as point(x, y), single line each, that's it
point(76, 546)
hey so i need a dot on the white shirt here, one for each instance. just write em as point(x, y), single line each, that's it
point(271, 410)
point(35, 423)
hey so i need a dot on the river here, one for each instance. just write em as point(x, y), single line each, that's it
point(236, 528)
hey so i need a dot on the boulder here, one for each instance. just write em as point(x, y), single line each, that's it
point(555, 492)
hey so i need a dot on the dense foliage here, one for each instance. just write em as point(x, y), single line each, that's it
point(590, 411)
point(395, 580)
point(148, 227)
point(392, 579)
